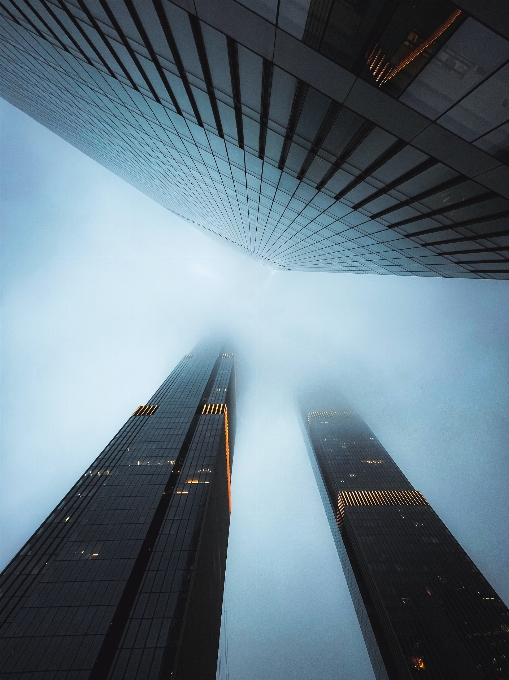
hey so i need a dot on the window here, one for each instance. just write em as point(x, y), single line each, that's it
point(482, 110)
point(496, 143)
point(266, 8)
point(467, 58)
point(147, 410)
point(293, 15)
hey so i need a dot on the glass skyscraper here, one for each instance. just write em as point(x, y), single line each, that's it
point(125, 578)
point(367, 136)
point(422, 604)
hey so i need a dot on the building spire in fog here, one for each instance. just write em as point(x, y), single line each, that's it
point(421, 602)
point(125, 577)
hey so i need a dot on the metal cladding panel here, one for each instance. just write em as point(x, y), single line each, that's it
point(379, 156)
point(103, 588)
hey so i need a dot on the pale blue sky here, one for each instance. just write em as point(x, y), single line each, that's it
point(104, 291)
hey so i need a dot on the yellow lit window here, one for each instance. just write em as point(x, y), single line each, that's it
point(418, 663)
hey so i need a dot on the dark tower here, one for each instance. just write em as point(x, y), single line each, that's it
point(367, 136)
point(423, 606)
point(125, 578)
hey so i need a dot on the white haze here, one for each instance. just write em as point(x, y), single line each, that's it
point(104, 291)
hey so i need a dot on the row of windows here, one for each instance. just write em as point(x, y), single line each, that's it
point(70, 507)
point(460, 79)
point(410, 565)
point(234, 210)
point(158, 575)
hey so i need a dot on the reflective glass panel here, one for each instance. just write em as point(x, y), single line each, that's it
point(470, 55)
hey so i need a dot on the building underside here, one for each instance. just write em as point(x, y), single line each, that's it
point(318, 135)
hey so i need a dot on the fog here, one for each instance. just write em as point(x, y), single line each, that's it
point(104, 291)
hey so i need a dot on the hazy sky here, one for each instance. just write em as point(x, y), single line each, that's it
point(104, 291)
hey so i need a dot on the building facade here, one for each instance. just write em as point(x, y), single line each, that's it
point(367, 136)
point(422, 604)
point(125, 578)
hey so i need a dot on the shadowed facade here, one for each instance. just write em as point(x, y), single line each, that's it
point(125, 578)
point(423, 606)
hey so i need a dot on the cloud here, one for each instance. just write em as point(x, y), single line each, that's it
point(105, 291)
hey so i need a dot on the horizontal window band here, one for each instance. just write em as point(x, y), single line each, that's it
point(331, 414)
point(213, 409)
point(391, 498)
point(147, 410)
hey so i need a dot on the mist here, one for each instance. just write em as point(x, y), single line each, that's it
point(104, 291)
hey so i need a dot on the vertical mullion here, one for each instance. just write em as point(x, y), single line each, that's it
point(480, 198)
point(36, 28)
point(47, 26)
point(299, 98)
point(267, 72)
point(129, 49)
point(324, 129)
point(108, 44)
point(65, 31)
point(395, 148)
point(141, 30)
point(202, 54)
point(422, 167)
point(233, 59)
point(444, 186)
point(86, 37)
point(356, 140)
point(165, 25)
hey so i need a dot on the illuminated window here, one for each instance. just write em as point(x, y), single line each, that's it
point(147, 410)
point(395, 498)
point(330, 414)
point(212, 409)
point(418, 663)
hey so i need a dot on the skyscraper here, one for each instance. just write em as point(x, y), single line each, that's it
point(125, 578)
point(422, 604)
point(341, 135)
